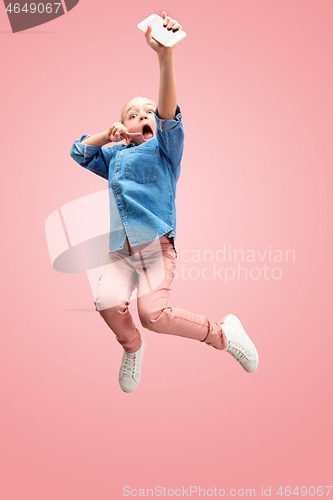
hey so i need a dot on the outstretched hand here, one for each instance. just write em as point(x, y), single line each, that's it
point(158, 47)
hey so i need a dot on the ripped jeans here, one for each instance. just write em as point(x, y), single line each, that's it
point(149, 268)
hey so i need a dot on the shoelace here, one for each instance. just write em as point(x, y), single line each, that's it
point(130, 364)
point(237, 352)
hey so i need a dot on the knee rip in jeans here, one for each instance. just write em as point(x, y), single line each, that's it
point(149, 318)
point(118, 309)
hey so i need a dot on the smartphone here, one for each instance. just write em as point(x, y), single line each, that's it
point(166, 37)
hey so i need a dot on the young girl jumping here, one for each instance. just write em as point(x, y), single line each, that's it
point(142, 175)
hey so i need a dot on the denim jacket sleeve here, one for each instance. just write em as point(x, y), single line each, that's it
point(94, 158)
point(170, 136)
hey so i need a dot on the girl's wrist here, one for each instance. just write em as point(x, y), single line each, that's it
point(166, 57)
point(106, 138)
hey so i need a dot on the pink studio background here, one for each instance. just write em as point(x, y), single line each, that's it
point(256, 98)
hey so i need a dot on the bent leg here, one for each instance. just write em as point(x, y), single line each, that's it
point(155, 313)
point(113, 298)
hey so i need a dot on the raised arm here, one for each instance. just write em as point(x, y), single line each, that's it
point(167, 97)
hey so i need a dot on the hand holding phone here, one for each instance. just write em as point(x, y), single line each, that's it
point(163, 29)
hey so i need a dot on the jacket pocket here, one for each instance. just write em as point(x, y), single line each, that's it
point(142, 165)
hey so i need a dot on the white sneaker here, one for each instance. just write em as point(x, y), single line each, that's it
point(130, 370)
point(240, 346)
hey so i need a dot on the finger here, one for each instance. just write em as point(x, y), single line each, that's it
point(133, 134)
point(163, 15)
point(148, 32)
point(177, 26)
point(166, 21)
point(171, 24)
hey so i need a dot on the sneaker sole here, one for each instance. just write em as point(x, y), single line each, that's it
point(236, 320)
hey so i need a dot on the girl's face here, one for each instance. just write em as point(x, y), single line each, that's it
point(138, 116)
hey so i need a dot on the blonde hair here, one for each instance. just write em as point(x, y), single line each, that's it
point(121, 116)
point(121, 119)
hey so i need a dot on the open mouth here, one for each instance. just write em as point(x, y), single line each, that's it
point(147, 132)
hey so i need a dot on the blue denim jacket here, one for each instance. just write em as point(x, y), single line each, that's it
point(142, 182)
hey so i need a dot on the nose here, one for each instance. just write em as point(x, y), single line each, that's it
point(143, 116)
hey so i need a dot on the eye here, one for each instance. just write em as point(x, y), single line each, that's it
point(150, 111)
point(132, 116)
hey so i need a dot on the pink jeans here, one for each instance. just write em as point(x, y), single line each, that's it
point(150, 268)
